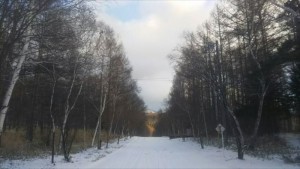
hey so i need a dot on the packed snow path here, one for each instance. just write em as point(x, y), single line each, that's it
point(149, 152)
point(161, 152)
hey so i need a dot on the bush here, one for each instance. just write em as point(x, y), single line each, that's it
point(15, 145)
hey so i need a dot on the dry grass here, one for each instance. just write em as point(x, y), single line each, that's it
point(16, 146)
point(12, 139)
point(267, 147)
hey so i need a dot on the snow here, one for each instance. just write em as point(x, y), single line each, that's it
point(79, 160)
point(292, 139)
point(153, 152)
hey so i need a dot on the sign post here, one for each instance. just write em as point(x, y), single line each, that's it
point(220, 129)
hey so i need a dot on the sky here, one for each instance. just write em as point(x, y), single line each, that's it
point(150, 31)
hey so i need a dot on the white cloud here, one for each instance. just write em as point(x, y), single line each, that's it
point(152, 36)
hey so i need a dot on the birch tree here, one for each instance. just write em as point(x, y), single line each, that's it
point(16, 20)
point(102, 51)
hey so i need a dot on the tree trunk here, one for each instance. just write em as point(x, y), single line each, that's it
point(107, 139)
point(13, 81)
point(240, 135)
point(117, 123)
point(204, 118)
point(201, 141)
point(64, 146)
point(101, 109)
point(239, 138)
point(53, 145)
point(111, 124)
point(52, 117)
point(84, 128)
point(96, 130)
point(239, 143)
point(67, 111)
point(99, 135)
point(263, 91)
point(258, 119)
point(122, 132)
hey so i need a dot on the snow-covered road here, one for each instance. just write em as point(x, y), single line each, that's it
point(161, 152)
point(150, 152)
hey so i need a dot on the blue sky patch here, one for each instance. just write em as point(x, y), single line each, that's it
point(124, 11)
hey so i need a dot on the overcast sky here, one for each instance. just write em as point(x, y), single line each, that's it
point(150, 30)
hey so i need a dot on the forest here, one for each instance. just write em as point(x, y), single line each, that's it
point(66, 83)
point(240, 69)
point(64, 79)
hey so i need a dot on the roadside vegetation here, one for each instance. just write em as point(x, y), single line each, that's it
point(240, 69)
point(65, 80)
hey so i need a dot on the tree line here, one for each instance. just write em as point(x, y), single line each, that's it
point(60, 71)
point(239, 69)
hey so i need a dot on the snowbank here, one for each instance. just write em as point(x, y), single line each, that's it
point(153, 152)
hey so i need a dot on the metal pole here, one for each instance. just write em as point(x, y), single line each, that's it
point(222, 140)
